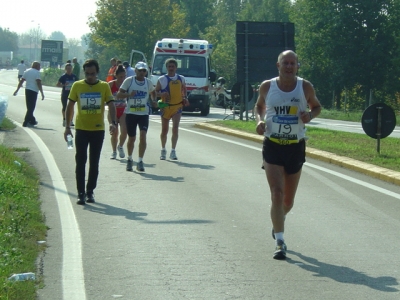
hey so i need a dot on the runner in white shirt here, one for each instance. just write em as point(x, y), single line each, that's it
point(21, 69)
point(33, 86)
point(284, 105)
point(137, 89)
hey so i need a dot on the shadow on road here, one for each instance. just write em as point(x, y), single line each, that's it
point(41, 128)
point(343, 274)
point(160, 178)
point(193, 166)
point(110, 210)
point(50, 186)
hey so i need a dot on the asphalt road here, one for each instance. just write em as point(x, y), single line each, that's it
point(199, 227)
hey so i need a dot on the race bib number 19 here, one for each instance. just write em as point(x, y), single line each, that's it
point(90, 103)
point(136, 105)
point(284, 129)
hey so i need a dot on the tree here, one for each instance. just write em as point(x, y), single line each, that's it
point(222, 35)
point(348, 44)
point(198, 15)
point(132, 24)
point(58, 36)
point(266, 11)
point(75, 48)
point(8, 40)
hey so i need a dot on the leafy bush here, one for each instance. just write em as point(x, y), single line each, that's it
point(50, 76)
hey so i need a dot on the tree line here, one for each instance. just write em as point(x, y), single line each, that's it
point(349, 49)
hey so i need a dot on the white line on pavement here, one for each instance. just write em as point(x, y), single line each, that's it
point(72, 269)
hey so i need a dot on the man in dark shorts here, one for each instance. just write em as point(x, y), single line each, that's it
point(284, 105)
point(21, 69)
point(66, 81)
point(137, 90)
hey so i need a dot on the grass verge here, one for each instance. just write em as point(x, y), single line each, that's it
point(352, 145)
point(21, 224)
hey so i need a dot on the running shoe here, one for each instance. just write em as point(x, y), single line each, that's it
point(121, 152)
point(163, 155)
point(129, 164)
point(280, 250)
point(81, 199)
point(113, 155)
point(140, 167)
point(34, 123)
point(172, 155)
point(90, 197)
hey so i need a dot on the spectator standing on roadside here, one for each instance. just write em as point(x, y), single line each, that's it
point(129, 70)
point(120, 104)
point(66, 81)
point(21, 69)
point(32, 88)
point(90, 95)
point(111, 71)
point(140, 93)
point(171, 88)
point(77, 68)
point(281, 112)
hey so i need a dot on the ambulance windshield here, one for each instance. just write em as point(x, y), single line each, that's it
point(188, 65)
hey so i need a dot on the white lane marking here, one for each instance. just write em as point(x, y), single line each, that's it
point(72, 269)
point(357, 181)
point(337, 174)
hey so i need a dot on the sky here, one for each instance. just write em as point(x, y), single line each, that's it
point(69, 17)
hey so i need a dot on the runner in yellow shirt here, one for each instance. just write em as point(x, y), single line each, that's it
point(90, 95)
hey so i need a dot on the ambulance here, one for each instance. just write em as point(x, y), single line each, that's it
point(194, 63)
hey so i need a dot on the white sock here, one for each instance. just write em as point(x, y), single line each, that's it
point(163, 149)
point(278, 236)
point(172, 149)
point(130, 157)
point(140, 159)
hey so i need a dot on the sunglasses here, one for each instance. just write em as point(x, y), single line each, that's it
point(142, 70)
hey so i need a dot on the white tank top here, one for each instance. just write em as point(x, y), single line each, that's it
point(283, 122)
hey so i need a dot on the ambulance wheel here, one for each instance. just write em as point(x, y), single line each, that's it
point(205, 111)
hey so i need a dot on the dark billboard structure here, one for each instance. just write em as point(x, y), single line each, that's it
point(258, 45)
point(52, 51)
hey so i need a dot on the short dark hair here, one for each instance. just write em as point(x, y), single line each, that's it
point(91, 63)
point(119, 69)
point(171, 60)
point(67, 65)
point(22, 61)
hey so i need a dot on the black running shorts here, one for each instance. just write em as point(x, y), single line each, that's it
point(132, 121)
point(291, 157)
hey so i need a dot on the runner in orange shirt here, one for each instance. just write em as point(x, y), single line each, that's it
point(111, 71)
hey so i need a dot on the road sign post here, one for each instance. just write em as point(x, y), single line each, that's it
point(378, 122)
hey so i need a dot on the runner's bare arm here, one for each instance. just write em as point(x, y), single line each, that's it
point(312, 101)
point(260, 107)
